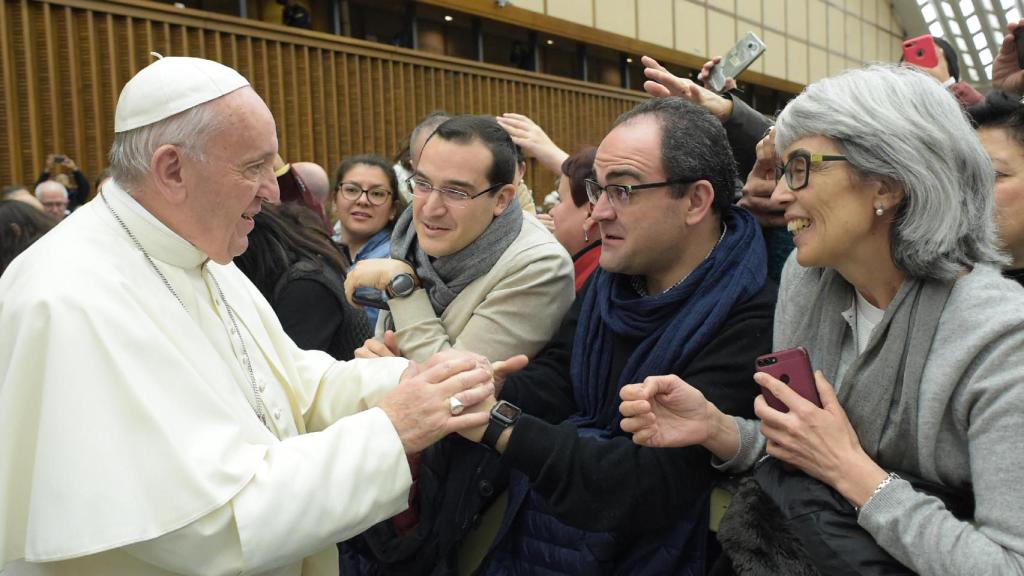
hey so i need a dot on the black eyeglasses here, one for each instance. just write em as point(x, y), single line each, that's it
point(797, 169)
point(619, 194)
point(422, 188)
point(352, 192)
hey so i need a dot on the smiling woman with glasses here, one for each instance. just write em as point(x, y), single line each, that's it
point(366, 205)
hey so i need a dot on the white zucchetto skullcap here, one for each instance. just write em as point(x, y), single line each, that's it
point(172, 85)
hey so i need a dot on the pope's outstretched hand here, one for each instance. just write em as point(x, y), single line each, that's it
point(420, 406)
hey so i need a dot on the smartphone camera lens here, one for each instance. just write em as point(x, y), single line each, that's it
point(920, 53)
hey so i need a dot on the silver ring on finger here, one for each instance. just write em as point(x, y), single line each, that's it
point(455, 406)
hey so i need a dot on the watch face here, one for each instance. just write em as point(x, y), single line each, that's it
point(402, 285)
point(506, 412)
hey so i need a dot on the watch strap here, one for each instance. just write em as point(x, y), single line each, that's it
point(492, 433)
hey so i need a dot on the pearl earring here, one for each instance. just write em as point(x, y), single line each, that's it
point(879, 210)
point(586, 235)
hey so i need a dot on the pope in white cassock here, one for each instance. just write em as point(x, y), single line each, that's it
point(154, 416)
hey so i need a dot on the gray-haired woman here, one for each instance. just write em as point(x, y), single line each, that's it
point(895, 291)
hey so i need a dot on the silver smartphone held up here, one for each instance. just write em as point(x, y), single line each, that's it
point(738, 59)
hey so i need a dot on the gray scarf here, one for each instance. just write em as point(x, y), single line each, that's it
point(444, 277)
point(881, 387)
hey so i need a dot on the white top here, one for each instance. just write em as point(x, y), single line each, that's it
point(128, 444)
point(868, 317)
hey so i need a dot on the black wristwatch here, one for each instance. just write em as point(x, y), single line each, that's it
point(503, 415)
point(402, 285)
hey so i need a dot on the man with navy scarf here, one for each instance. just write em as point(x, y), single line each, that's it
point(682, 290)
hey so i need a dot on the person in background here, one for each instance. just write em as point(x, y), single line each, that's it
point(54, 197)
point(947, 71)
point(420, 133)
point(1006, 72)
point(297, 268)
point(914, 453)
point(102, 179)
point(574, 228)
point(57, 164)
point(366, 203)
point(316, 180)
point(295, 14)
point(1000, 126)
point(20, 226)
point(531, 140)
point(21, 194)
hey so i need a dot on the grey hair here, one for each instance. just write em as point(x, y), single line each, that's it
point(899, 126)
point(429, 123)
point(48, 184)
point(133, 150)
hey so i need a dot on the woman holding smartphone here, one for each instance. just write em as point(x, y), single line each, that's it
point(895, 290)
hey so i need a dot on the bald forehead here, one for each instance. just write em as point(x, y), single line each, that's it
point(632, 150)
point(52, 187)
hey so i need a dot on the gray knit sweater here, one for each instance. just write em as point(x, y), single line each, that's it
point(971, 427)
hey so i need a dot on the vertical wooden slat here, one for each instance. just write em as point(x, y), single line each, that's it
point(10, 103)
point(132, 68)
point(56, 136)
point(334, 145)
point(309, 152)
point(94, 82)
point(33, 101)
point(75, 91)
point(115, 85)
point(347, 145)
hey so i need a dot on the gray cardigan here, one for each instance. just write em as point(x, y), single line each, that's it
point(971, 427)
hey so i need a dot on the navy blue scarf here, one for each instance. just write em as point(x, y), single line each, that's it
point(672, 327)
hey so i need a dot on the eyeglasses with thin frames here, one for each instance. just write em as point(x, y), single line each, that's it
point(376, 196)
point(421, 188)
point(797, 169)
point(620, 194)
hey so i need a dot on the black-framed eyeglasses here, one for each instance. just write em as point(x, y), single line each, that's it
point(351, 192)
point(422, 188)
point(797, 169)
point(619, 194)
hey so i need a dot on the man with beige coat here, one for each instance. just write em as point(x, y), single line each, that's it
point(468, 269)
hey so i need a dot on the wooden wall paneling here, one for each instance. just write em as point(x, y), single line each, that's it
point(10, 101)
point(318, 116)
point(331, 96)
point(345, 121)
point(29, 79)
point(95, 127)
point(306, 97)
point(393, 112)
point(334, 122)
point(382, 126)
point(77, 127)
point(50, 84)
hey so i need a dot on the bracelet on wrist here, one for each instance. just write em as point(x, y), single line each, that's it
point(881, 485)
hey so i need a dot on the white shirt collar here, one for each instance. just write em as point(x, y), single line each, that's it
point(159, 241)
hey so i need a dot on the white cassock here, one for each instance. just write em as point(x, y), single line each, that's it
point(128, 439)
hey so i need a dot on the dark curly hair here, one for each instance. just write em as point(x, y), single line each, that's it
point(20, 225)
